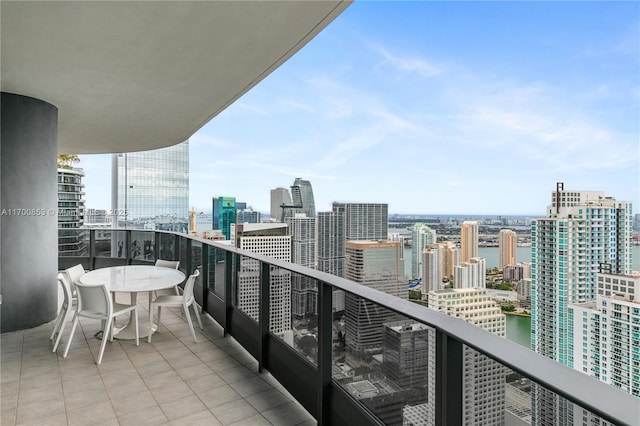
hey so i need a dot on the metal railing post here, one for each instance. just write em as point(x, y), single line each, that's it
point(449, 377)
point(127, 243)
point(325, 344)
point(263, 309)
point(228, 283)
point(205, 276)
point(92, 249)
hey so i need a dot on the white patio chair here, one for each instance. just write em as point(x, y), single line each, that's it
point(174, 264)
point(65, 311)
point(187, 299)
point(73, 275)
point(95, 302)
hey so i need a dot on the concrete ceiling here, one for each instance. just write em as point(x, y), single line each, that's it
point(132, 76)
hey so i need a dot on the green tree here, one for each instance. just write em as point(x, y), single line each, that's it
point(66, 161)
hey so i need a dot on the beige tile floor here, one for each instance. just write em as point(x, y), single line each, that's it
point(170, 381)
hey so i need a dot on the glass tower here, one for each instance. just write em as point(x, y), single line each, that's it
point(150, 189)
point(224, 214)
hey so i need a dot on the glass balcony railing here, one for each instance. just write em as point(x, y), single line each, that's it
point(381, 360)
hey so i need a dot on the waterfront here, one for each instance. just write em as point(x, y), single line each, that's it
point(519, 330)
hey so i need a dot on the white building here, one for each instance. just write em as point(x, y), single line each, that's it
point(279, 197)
point(484, 378)
point(270, 239)
point(471, 274)
point(422, 236)
point(582, 230)
point(606, 333)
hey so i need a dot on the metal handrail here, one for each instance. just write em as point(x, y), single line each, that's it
point(600, 398)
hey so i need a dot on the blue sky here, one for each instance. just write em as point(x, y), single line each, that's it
point(435, 107)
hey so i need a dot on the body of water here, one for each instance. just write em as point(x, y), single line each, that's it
point(519, 330)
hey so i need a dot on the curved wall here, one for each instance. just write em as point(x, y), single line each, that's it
point(28, 203)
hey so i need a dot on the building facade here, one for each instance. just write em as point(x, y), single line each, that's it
point(469, 237)
point(375, 264)
point(304, 291)
point(224, 214)
point(72, 240)
point(271, 240)
point(422, 235)
point(150, 189)
point(484, 379)
point(606, 333)
point(279, 197)
point(330, 242)
point(582, 230)
point(507, 244)
point(471, 274)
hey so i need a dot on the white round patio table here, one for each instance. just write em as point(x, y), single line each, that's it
point(133, 279)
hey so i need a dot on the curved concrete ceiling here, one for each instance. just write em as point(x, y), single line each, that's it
point(132, 76)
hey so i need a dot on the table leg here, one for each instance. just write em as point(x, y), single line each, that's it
point(128, 332)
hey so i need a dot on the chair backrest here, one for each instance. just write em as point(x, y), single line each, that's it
point(168, 263)
point(74, 273)
point(66, 289)
point(94, 300)
point(188, 287)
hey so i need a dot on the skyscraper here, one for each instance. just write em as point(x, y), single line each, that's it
point(375, 264)
point(432, 267)
point(606, 333)
point(507, 243)
point(150, 189)
point(364, 221)
point(331, 242)
point(582, 230)
point(468, 240)
point(483, 395)
point(270, 239)
point(303, 252)
point(224, 214)
point(279, 197)
point(72, 240)
point(302, 194)
point(421, 236)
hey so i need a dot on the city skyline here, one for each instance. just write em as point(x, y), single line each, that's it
point(494, 118)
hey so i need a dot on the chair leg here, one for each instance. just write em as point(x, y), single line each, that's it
point(73, 330)
point(188, 315)
point(195, 309)
point(59, 337)
point(105, 336)
point(56, 326)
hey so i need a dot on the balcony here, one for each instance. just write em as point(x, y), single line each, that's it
point(265, 364)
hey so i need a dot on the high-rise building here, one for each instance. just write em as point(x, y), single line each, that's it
point(279, 197)
point(304, 292)
point(302, 194)
point(331, 240)
point(364, 221)
point(582, 230)
point(483, 395)
point(150, 189)
point(606, 334)
point(468, 240)
point(432, 267)
point(375, 264)
point(421, 236)
point(507, 243)
point(270, 239)
point(471, 274)
point(247, 215)
point(347, 221)
point(224, 214)
point(517, 272)
point(72, 240)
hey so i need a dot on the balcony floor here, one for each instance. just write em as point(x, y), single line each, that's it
point(172, 381)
